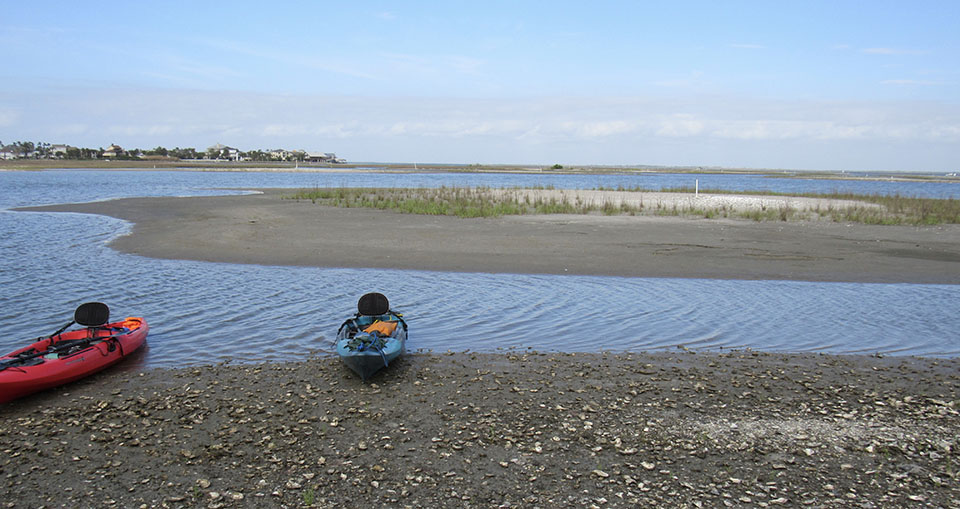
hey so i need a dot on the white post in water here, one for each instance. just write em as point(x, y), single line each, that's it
point(696, 189)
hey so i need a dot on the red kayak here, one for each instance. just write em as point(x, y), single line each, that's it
point(68, 356)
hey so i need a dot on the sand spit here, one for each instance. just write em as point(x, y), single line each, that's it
point(497, 430)
point(270, 230)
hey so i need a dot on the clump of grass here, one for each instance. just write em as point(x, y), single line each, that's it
point(769, 214)
point(907, 210)
point(554, 206)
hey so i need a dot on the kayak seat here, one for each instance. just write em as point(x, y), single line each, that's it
point(373, 304)
point(373, 317)
point(92, 314)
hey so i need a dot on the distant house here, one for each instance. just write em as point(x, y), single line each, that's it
point(220, 151)
point(321, 157)
point(7, 154)
point(58, 151)
point(281, 154)
point(113, 151)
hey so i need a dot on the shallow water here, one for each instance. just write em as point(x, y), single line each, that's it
point(203, 313)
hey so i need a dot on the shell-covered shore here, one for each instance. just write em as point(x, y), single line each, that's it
point(496, 430)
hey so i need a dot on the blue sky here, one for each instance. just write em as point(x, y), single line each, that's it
point(802, 85)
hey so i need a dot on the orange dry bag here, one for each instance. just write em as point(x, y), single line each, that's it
point(384, 328)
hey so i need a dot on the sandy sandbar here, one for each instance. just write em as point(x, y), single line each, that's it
point(267, 229)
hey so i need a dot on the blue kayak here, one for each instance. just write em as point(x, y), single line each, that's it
point(373, 338)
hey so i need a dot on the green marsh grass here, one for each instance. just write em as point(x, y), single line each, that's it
point(469, 202)
point(444, 201)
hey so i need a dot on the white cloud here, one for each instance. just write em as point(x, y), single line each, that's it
point(140, 131)
point(946, 132)
point(764, 129)
point(828, 130)
point(680, 125)
point(601, 129)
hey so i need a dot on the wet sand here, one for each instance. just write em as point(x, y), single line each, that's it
point(265, 229)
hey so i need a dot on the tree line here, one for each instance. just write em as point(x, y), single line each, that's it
point(43, 150)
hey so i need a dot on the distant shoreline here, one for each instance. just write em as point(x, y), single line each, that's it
point(265, 229)
point(233, 166)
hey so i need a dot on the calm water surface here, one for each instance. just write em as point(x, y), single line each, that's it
point(202, 313)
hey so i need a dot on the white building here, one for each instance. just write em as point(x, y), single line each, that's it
point(321, 157)
point(113, 150)
point(220, 151)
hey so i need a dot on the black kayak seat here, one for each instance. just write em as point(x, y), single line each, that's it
point(92, 314)
point(373, 304)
